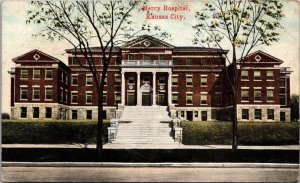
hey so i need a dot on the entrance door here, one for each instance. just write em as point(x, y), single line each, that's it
point(130, 99)
point(146, 99)
point(189, 115)
point(161, 99)
point(282, 116)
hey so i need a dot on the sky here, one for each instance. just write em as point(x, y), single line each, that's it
point(17, 38)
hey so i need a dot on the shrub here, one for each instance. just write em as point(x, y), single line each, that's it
point(249, 133)
point(50, 132)
point(5, 116)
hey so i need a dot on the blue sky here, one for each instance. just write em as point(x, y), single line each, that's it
point(17, 38)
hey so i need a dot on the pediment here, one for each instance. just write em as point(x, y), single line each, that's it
point(145, 42)
point(35, 56)
point(260, 57)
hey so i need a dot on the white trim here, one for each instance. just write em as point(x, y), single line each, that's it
point(245, 87)
point(23, 86)
point(193, 56)
point(29, 67)
point(48, 86)
point(36, 86)
point(257, 87)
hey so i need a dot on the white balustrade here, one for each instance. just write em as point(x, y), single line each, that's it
point(147, 62)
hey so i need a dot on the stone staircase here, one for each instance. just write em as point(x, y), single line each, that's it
point(144, 125)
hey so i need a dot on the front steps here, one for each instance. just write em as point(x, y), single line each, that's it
point(144, 125)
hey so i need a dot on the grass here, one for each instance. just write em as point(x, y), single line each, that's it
point(149, 155)
point(51, 132)
point(249, 133)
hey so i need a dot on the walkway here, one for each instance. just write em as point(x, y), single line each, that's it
point(151, 146)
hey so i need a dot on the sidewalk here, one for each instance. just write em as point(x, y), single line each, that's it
point(151, 146)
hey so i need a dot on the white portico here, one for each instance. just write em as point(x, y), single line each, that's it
point(146, 91)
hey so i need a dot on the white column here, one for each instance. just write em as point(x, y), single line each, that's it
point(138, 87)
point(170, 88)
point(154, 88)
point(123, 88)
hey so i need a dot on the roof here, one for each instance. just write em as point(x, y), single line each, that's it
point(39, 52)
point(96, 49)
point(162, 44)
point(263, 53)
point(196, 48)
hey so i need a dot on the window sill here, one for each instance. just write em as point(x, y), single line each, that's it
point(204, 104)
point(48, 78)
point(88, 85)
point(48, 100)
point(203, 86)
point(270, 80)
point(23, 78)
point(23, 99)
point(73, 85)
point(74, 103)
point(245, 80)
point(257, 80)
point(258, 101)
point(188, 86)
point(188, 104)
point(36, 99)
point(36, 78)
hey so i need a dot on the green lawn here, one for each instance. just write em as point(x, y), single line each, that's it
point(249, 133)
point(51, 132)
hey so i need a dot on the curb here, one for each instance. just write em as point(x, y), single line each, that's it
point(167, 165)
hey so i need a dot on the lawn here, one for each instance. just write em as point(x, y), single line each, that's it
point(249, 133)
point(54, 132)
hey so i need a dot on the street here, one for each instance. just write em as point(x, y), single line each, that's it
point(148, 174)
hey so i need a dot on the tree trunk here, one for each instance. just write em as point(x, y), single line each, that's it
point(235, 81)
point(99, 143)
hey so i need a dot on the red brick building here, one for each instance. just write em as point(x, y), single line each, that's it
point(146, 71)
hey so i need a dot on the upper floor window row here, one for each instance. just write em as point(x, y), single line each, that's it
point(257, 75)
point(198, 61)
point(74, 61)
point(36, 73)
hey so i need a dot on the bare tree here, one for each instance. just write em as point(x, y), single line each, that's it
point(106, 23)
point(242, 24)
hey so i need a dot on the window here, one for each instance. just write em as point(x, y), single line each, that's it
point(203, 98)
point(24, 93)
point(146, 57)
point(117, 98)
point(282, 82)
point(74, 97)
point(257, 75)
point(161, 57)
point(88, 97)
point(36, 112)
point(23, 112)
point(174, 80)
point(257, 114)
point(89, 61)
point(24, 73)
point(48, 93)
point(131, 80)
point(89, 80)
point(204, 61)
point(48, 73)
point(61, 96)
point(74, 61)
point(204, 115)
point(218, 80)
point(270, 75)
point(131, 57)
point(161, 80)
point(203, 80)
point(118, 80)
point(245, 75)
point(74, 114)
point(218, 98)
point(174, 98)
point(189, 98)
point(257, 94)
point(189, 80)
point(270, 113)
point(36, 94)
point(118, 61)
point(66, 95)
point(89, 114)
point(245, 114)
point(48, 112)
point(189, 61)
point(245, 94)
point(196, 114)
point(104, 98)
point(270, 94)
point(146, 78)
point(36, 73)
point(282, 99)
point(74, 80)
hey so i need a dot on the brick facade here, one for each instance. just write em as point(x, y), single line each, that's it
point(190, 80)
